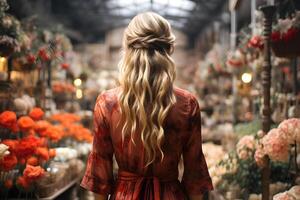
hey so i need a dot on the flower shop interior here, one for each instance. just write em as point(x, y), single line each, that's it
point(56, 57)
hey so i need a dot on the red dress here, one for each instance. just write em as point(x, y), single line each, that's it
point(159, 181)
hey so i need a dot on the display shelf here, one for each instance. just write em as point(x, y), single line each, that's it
point(60, 191)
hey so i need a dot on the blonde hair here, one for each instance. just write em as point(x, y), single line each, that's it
point(147, 76)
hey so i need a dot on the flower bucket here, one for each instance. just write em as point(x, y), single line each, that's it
point(286, 44)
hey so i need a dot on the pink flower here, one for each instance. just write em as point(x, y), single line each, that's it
point(245, 146)
point(259, 156)
point(276, 146)
point(291, 130)
point(283, 196)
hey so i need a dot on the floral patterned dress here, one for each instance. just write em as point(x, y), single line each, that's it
point(158, 181)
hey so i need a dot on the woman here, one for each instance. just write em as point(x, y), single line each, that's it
point(147, 124)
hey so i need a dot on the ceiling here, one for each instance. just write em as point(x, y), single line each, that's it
point(89, 20)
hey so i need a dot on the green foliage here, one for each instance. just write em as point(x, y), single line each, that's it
point(247, 175)
point(249, 128)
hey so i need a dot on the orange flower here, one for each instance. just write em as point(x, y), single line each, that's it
point(52, 153)
point(8, 183)
point(25, 123)
point(43, 153)
point(41, 125)
point(8, 119)
point(54, 133)
point(36, 113)
point(23, 182)
point(32, 161)
point(42, 142)
point(8, 162)
point(33, 173)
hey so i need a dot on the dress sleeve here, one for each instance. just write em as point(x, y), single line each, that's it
point(98, 176)
point(196, 179)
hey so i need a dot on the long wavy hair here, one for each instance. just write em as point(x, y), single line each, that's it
point(147, 73)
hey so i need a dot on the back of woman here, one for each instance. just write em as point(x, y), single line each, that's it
point(147, 123)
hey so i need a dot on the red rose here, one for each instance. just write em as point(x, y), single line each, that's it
point(44, 55)
point(275, 36)
point(30, 58)
point(33, 173)
point(290, 35)
point(8, 162)
point(25, 123)
point(36, 114)
point(27, 147)
point(32, 161)
point(22, 161)
point(8, 183)
point(15, 128)
point(8, 119)
point(23, 182)
point(256, 42)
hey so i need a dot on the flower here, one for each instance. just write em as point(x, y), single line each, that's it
point(295, 191)
point(30, 58)
point(256, 42)
point(43, 153)
point(23, 182)
point(27, 146)
point(291, 34)
point(54, 133)
point(43, 54)
point(259, 156)
point(276, 146)
point(32, 161)
point(36, 113)
point(52, 153)
point(3, 150)
point(244, 147)
point(12, 144)
point(65, 66)
point(41, 125)
point(8, 183)
point(8, 162)
point(291, 130)
point(283, 196)
point(33, 173)
point(15, 128)
point(25, 123)
point(235, 59)
point(275, 36)
point(7, 119)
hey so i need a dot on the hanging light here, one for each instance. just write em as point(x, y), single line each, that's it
point(79, 94)
point(77, 82)
point(246, 77)
point(3, 63)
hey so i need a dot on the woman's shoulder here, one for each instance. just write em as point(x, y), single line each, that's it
point(182, 94)
point(108, 98)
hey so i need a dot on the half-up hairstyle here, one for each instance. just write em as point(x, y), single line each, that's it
point(147, 76)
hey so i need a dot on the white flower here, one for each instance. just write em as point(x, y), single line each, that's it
point(3, 150)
